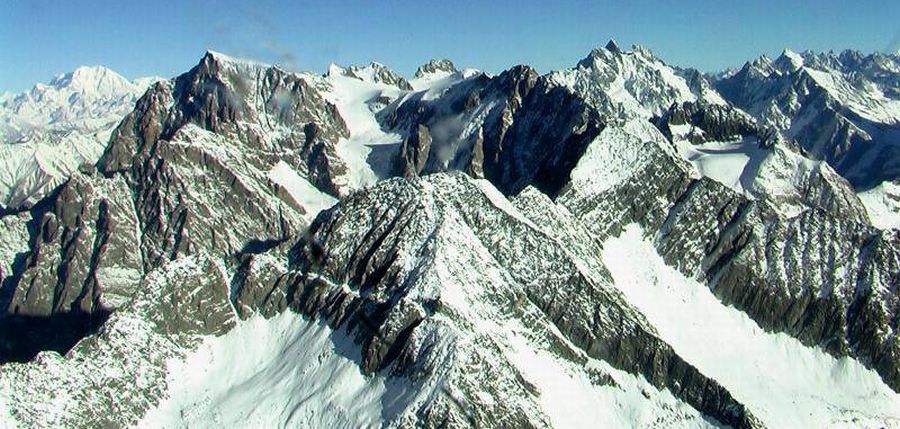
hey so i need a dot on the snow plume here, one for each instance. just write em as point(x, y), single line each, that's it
point(445, 135)
point(894, 46)
point(250, 34)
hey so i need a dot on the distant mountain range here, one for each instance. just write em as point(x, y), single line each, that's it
point(619, 244)
point(52, 129)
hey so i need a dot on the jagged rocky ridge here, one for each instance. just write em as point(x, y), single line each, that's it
point(193, 221)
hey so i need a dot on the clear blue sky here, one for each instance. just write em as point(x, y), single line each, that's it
point(39, 38)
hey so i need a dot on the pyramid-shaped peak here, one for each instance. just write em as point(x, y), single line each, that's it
point(612, 46)
point(789, 61)
point(214, 57)
point(335, 70)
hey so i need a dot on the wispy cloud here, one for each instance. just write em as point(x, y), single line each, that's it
point(894, 45)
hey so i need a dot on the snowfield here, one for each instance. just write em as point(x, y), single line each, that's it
point(303, 192)
point(733, 164)
point(282, 372)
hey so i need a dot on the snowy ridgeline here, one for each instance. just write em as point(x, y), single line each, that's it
point(309, 374)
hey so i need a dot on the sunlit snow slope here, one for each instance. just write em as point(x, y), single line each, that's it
point(784, 383)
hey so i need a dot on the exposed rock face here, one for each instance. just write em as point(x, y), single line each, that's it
point(708, 122)
point(266, 108)
point(517, 129)
point(192, 157)
point(779, 173)
point(414, 152)
point(235, 121)
point(631, 84)
point(379, 273)
point(122, 368)
point(750, 256)
point(435, 66)
point(376, 72)
point(82, 241)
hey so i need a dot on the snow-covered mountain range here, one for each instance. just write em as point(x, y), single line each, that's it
point(619, 244)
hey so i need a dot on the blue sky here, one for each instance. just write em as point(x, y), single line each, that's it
point(39, 38)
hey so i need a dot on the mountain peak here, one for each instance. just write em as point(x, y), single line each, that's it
point(334, 70)
point(215, 57)
point(98, 80)
point(434, 66)
point(788, 61)
point(374, 72)
point(612, 46)
point(642, 50)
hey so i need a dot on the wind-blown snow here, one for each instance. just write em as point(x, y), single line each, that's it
point(282, 372)
point(782, 382)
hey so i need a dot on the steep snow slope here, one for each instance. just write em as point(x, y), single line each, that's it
point(785, 383)
point(111, 378)
point(842, 108)
point(281, 372)
point(368, 149)
point(48, 132)
point(750, 253)
point(494, 299)
point(728, 146)
point(360, 93)
point(288, 371)
point(729, 163)
point(300, 190)
point(453, 345)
